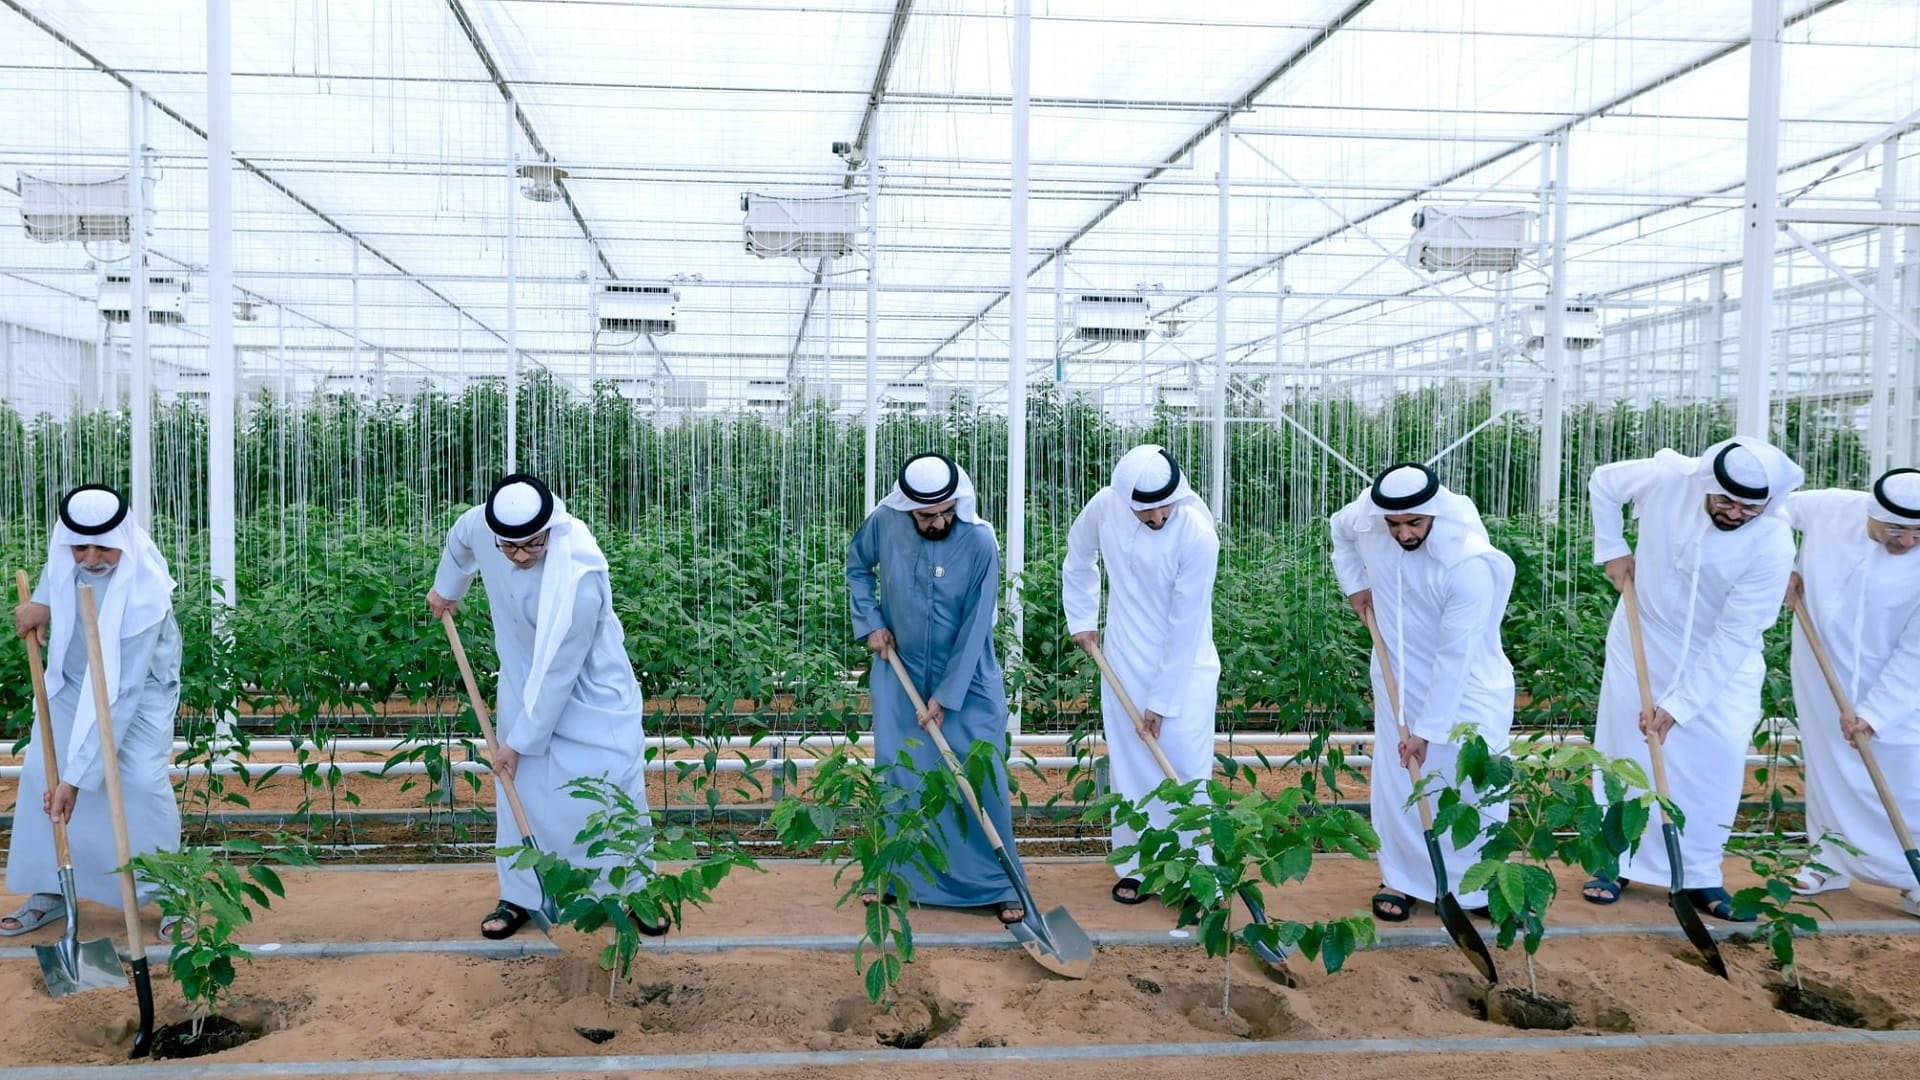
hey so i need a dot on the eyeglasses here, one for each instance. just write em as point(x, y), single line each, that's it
point(526, 547)
point(1723, 505)
point(932, 517)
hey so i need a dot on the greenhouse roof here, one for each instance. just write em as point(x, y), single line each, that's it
point(380, 229)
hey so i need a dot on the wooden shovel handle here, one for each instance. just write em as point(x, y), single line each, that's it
point(1133, 712)
point(946, 752)
point(1840, 698)
point(486, 722)
point(110, 765)
point(43, 722)
point(1393, 702)
point(1631, 597)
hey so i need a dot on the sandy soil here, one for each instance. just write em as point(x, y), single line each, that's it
point(754, 999)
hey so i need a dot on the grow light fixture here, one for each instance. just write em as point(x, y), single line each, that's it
point(1110, 317)
point(166, 298)
point(542, 181)
point(80, 205)
point(635, 308)
point(813, 224)
point(1470, 237)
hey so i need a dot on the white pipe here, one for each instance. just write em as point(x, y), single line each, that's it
point(1879, 445)
point(1019, 259)
point(1217, 445)
point(1763, 206)
point(220, 357)
point(1551, 417)
point(140, 405)
point(871, 436)
point(513, 306)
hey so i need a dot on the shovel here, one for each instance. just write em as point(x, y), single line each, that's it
point(1054, 940)
point(1459, 928)
point(1676, 892)
point(1248, 893)
point(548, 912)
point(117, 807)
point(1863, 744)
point(70, 966)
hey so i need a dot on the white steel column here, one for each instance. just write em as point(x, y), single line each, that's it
point(513, 306)
point(1279, 336)
point(1879, 440)
point(1551, 398)
point(1905, 377)
point(826, 332)
point(1217, 493)
point(1059, 316)
point(220, 399)
point(872, 436)
point(140, 404)
point(1763, 205)
point(1019, 266)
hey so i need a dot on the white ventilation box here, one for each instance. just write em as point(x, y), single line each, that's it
point(166, 298)
point(811, 224)
point(767, 394)
point(1579, 325)
point(1110, 317)
point(80, 205)
point(1183, 399)
point(636, 309)
point(1471, 237)
point(683, 393)
point(904, 395)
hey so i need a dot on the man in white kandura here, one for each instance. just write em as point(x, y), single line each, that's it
point(1718, 552)
point(94, 543)
point(1161, 553)
point(1861, 583)
point(1417, 556)
point(569, 705)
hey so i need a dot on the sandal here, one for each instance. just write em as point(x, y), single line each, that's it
point(1131, 885)
point(512, 917)
point(658, 929)
point(1393, 906)
point(39, 910)
point(1714, 902)
point(870, 898)
point(1810, 882)
point(187, 929)
point(1608, 888)
point(1012, 913)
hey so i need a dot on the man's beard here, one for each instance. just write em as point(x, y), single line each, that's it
point(95, 570)
point(939, 532)
point(1411, 545)
point(1156, 526)
point(1724, 526)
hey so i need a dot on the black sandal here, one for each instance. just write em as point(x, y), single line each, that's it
point(1715, 902)
point(870, 898)
point(1392, 906)
point(1134, 884)
point(508, 912)
point(1608, 888)
point(658, 929)
point(1007, 916)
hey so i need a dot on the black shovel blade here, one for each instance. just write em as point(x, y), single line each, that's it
point(1272, 958)
point(1683, 909)
point(1459, 927)
point(143, 989)
point(1913, 862)
point(548, 913)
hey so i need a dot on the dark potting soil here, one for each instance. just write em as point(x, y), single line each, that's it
point(1517, 1008)
point(216, 1033)
point(1816, 1005)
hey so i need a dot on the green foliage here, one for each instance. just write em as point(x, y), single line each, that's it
point(1218, 839)
point(1553, 816)
point(214, 895)
point(623, 879)
point(885, 840)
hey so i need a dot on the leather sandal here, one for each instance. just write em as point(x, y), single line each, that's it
point(511, 914)
point(1133, 885)
point(1393, 906)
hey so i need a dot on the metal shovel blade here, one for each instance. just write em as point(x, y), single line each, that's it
point(548, 913)
point(1274, 959)
point(1683, 909)
point(73, 967)
point(1055, 942)
point(1454, 918)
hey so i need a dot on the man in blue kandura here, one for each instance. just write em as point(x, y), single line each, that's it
point(924, 571)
